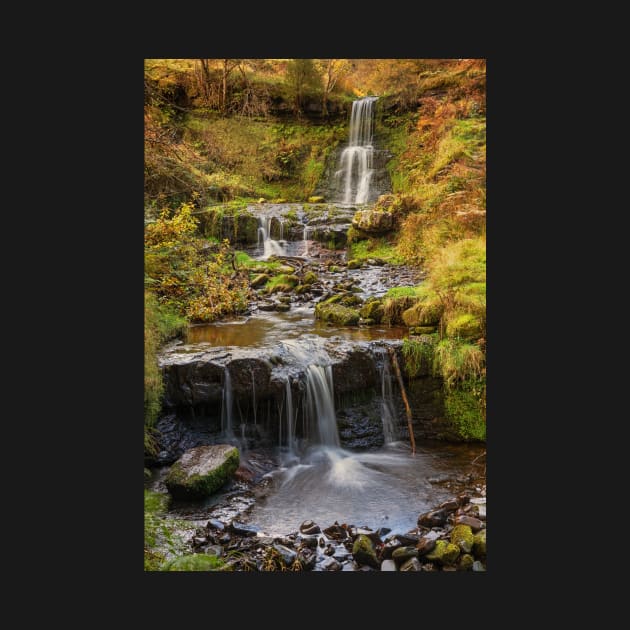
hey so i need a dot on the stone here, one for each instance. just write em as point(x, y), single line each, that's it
point(214, 523)
point(462, 536)
point(474, 523)
point(388, 565)
point(288, 555)
point(408, 539)
point(336, 313)
point(214, 550)
point(243, 530)
point(316, 199)
point(444, 553)
point(354, 264)
point(192, 562)
point(373, 221)
point(329, 551)
point(402, 554)
point(309, 528)
point(282, 308)
point(309, 541)
point(428, 566)
point(435, 518)
point(336, 532)
point(330, 564)
point(479, 544)
point(340, 553)
point(350, 566)
point(202, 470)
point(466, 562)
point(389, 547)
point(383, 531)
point(411, 565)
point(307, 558)
point(364, 552)
point(260, 280)
point(478, 566)
point(425, 546)
point(449, 506)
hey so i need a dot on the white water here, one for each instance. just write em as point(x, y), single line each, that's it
point(269, 246)
point(289, 416)
point(227, 404)
point(357, 157)
point(388, 414)
point(305, 239)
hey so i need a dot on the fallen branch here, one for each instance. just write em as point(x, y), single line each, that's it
point(392, 354)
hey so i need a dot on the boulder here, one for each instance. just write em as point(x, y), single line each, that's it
point(411, 565)
point(288, 555)
point(425, 546)
point(479, 544)
point(260, 280)
point(444, 553)
point(364, 552)
point(462, 536)
point(388, 565)
point(309, 528)
point(373, 221)
point(474, 523)
point(402, 554)
point(202, 470)
point(336, 314)
point(435, 518)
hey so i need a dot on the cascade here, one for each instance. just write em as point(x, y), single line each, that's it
point(226, 406)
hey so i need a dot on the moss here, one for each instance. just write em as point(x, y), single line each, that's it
point(464, 326)
point(466, 562)
point(372, 310)
point(418, 356)
point(194, 562)
point(259, 280)
point(185, 486)
point(463, 537)
point(301, 288)
point(363, 551)
point(425, 313)
point(334, 269)
point(282, 282)
point(403, 291)
point(422, 330)
point(337, 314)
point(394, 308)
point(354, 264)
point(309, 277)
point(316, 199)
point(444, 553)
point(479, 544)
point(350, 300)
point(463, 407)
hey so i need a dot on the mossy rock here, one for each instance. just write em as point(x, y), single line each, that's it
point(372, 310)
point(334, 269)
point(464, 411)
point(465, 326)
point(355, 264)
point(466, 562)
point(280, 200)
point(147, 473)
point(373, 221)
point(350, 300)
point(309, 277)
point(316, 199)
point(366, 321)
point(423, 314)
point(246, 229)
point(364, 552)
point(280, 288)
point(462, 536)
point(193, 562)
point(337, 314)
point(479, 544)
point(301, 288)
point(422, 330)
point(260, 280)
point(445, 553)
point(201, 471)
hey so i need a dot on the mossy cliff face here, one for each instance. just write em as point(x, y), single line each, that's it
point(201, 471)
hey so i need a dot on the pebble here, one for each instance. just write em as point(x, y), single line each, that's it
point(388, 565)
point(478, 566)
point(330, 564)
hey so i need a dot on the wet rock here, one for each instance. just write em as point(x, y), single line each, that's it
point(474, 523)
point(350, 566)
point(354, 264)
point(403, 554)
point(329, 551)
point(463, 499)
point(202, 470)
point(408, 539)
point(411, 565)
point(199, 541)
point(389, 547)
point(428, 566)
point(307, 558)
point(425, 546)
point(361, 531)
point(309, 527)
point(336, 532)
point(322, 542)
point(479, 544)
point(330, 564)
point(478, 566)
point(309, 541)
point(243, 530)
point(373, 221)
point(383, 531)
point(449, 506)
point(336, 314)
point(340, 553)
point(462, 536)
point(288, 555)
point(466, 562)
point(435, 518)
point(216, 524)
point(388, 565)
point(225, 539)
point(267, 306)
point(364, 552)
point(215, 550)
point(281, 308)
point(260, 280)
point(444, 553)
point(265, 540)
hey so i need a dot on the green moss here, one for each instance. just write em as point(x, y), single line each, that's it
point(282, 282)
point(426, 313)
point(444, 553)
point(309, 277)
point(334, 269)
point(316, 199)
point(479, 544)
point(194, 562)
point(259, 280)
point(350, 300)
point(336, 313)
point(395, 292)
point(373, 248)
point(373, 310)
point(463, 537)
point(464, 326)
point(421, 330)
point(464, 408)
point(466, 562)
point(354, 264)
point(418, 356)
point(364, 552)
point(393, 309)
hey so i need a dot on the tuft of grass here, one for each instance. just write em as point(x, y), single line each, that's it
point(458, 361)
point(374, 248)
point(281, 282)
point(396, 292)
point(419, 355)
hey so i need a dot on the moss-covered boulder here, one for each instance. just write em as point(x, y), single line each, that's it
point(193, 562)
point(260, 280)
point(355, 264)
point(364, 552)
point(479, 544)
point(444, 553)
point(373, 221)
point(350, 299)
point(465, 562)
point(201, 471)
point(316, 199)
point(426, 313)
point(372, 309)
point(336, 313)
point(465, 326)
point(462, 536)
point(309, 277)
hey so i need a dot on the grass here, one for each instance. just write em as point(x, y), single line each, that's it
point(281, 282)
point(395, 292)
point(457, 361)
point(419, 355)
point(374, 248)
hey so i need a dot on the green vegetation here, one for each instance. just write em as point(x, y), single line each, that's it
point(333, 311)
point(282, 282)
point(194, 562)
point(380, 248)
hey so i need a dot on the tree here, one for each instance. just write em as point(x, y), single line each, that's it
point(302, 77)
point(332, 70)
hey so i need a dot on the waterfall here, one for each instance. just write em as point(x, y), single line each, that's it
point(305, 239)
point(289, 403)
point(226, 407)
point(253, 395)
point(265, 242)
point(357, 157)
point(387, 408)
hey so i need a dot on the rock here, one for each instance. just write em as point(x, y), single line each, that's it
point(242, 529)
point(307, 558)
point(199, 541)
point(363, 551)
point(214, 550)
point(478, 566)
point(425, 546)
point(482, 512)
point(474, 523)
point(444, 553)
point(260, 280)
point(428, 566)
point(389, 547)
point(309, 528)
point(402, 554)
point(288, 555)
point(354, 264)
point(309, 541)
point(373, 221)
point(329, 551)
point(466, 562)
point(383, 531)
point(202, 470)
point(388, 565)
point(316, 199)
point(281, 308)
point(309, 278)
point(336, 313)
point(214, 523)
point(479, 544)
point(427, 313)
point(435, 518)
point(462, 536)
point(264, 540)
point(261, 200)
point(330, 564)
point(463, 499)
point(408, 539)
point(350, 566)
point(449, 506)
point(411, 565)
point(225, 539)
point(192, 562)
point(336, 532)
point(340, 553)
point(422, 330)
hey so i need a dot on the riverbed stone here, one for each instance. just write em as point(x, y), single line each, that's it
point(309, 527)
point(478, 566)
point(466, 562)
point(425, 546)
point(444, 553)
point(479, 543)
point(364, 552)
point(449, 506)
point(242, 529)
point(411, 565)
point(288, 555)
point(403, 554)
point(330, 564)
point(474, 523)
point(462, 536)
point(434, 518)
point(202, 470)
point(388, 565)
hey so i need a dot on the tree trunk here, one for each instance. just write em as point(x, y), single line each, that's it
point(401, 384)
